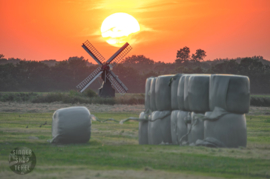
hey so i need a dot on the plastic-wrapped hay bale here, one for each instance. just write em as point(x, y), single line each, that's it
point(152, 95)
point(174, 89)
point(174, 129)
point(197, 128)
point(147, 92)
point(163, 93)
point(198, 93)
point(230, 92)
point(229, 129)
point(71, 125)
point(186, 96)
point(179, 126)
point(182, 126)
point(159, 128)
point(180, 93)
point(143, 129)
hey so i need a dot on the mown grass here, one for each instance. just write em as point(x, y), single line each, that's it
point(113, 146)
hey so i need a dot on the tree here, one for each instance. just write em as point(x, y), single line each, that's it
point(140, 60)
point(1, 56)
point(77, 61)
point(182, 55)
point(199, 55)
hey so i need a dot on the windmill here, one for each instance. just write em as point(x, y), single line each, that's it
point(105, 70)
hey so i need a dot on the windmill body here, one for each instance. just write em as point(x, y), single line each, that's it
point(105, 71)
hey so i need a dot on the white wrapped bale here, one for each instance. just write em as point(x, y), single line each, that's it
point(198, 93)
point(174, 129)
point(228, 129)
point(71, 125)
point(180, 93)
point(182, 126)
point(179, 126)
point(163, 93)
point(159, 128)
point(152, 95)
point(174, 90)
point(230, 92)
point(143, 129)
point(186, 96)
point(197, 128)
point(147, 92)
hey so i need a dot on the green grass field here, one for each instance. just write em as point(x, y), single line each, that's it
point(113, 152)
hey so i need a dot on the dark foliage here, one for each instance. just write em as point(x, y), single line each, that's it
point(90, 93)
point(32, 76)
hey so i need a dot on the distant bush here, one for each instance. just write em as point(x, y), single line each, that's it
point(17, 97)
point(138, 99)
point(260, 101)
point(90, 97)
point(74, 93)
point(90, 93)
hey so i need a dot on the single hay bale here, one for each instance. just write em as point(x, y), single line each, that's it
point(174, 90)
point(227, 128)
point(174, 130)
point(198, 93)
point(186, 96)
point(71, 125)
point(152, 95)
point(163, 92)
point(197, 128)
point(159, 128)
point(183, 119)
point(143, 129)
point(230, 92)
point(180, 93)
point(147, 92)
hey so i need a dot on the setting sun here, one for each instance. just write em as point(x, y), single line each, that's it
point(118, 29)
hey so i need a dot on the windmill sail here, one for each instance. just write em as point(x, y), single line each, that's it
point(88, 80)
point(117, 83)
point(118, 56)
point(92, 51)
point(105, 71)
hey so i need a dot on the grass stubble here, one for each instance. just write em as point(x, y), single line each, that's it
point(113, 150)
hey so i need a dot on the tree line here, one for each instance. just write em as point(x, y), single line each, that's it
point(50, 75)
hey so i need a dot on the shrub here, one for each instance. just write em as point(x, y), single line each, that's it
point(90, 93)
point(48, 98)
point(17, 97)
point(74, 93)
point(260, 101)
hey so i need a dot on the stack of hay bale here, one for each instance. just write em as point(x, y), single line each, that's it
point(159, 127)
point(229, 97)
point(143, 125)
point(197, 101)
point(196, 109)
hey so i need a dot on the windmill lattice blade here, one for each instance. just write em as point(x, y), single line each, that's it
point(116, 85)
point(119, 55)
point(116, 82)
point(92, 51)
point(90, 78)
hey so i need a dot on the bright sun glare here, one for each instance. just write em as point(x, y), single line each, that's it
point(118, 28)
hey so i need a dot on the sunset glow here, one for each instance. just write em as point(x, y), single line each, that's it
point(118, 28)
point(46, 29)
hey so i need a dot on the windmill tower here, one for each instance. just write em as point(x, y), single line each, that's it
point(105, 70)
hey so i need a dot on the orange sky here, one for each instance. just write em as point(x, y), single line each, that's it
point(55, 29)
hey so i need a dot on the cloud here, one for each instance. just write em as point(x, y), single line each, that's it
point(132, 5)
